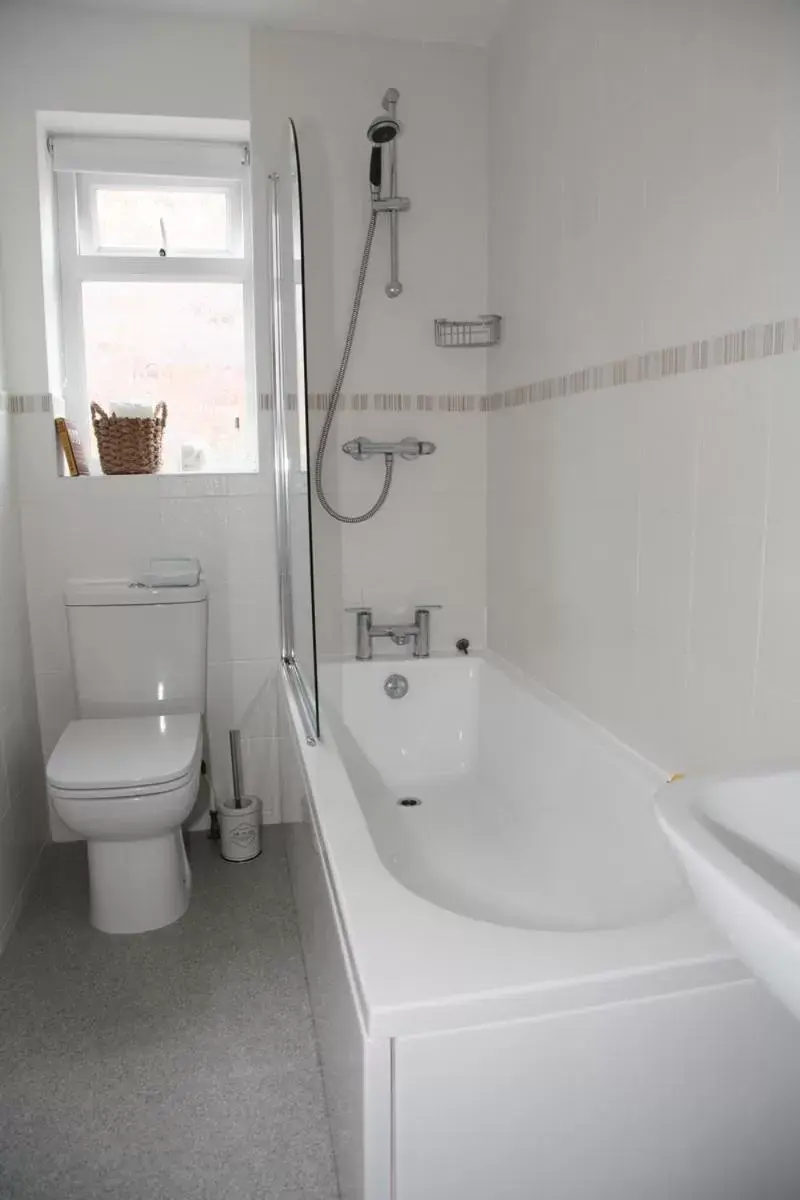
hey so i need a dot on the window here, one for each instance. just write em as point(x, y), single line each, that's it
point(157, 292)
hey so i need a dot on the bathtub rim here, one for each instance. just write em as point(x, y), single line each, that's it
point(419, 968)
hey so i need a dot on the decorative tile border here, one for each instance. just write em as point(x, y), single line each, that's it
point(14, 402)
point(386, 402)
point(759, 341)
point(318, 402)
point(402, 402)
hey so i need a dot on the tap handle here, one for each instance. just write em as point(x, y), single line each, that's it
point(426, 608)
point(363, 631)
point(363, 616)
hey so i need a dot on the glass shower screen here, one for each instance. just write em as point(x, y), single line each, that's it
point(293, 496)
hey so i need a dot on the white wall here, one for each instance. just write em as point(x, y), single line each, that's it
point(23, 807)
point(83, 61)
point(98, 527)
point(643, 540)
point(332, 88)
point(427, 545)
point(643, 179)
point(90, 62)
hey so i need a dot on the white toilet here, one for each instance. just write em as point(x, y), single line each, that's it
point(126, 774)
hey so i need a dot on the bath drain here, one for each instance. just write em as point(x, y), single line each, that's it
point(396, 686)
point(409, 802)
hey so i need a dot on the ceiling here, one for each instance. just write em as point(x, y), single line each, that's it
point(470, 22)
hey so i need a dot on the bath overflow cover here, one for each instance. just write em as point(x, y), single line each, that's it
point(396, 687)
point(409, 802)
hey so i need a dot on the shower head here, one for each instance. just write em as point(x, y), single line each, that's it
point(382, 130)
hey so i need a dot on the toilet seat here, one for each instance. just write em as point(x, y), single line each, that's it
point(156, 789)
point(125, 757)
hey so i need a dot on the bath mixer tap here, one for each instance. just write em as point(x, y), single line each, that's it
point(401, 635)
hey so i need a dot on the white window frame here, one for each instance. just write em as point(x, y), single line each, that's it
point(130, 164)
point(88, 226)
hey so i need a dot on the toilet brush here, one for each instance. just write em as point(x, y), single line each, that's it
point(213, 815)
point(235, 737)
point(240, 818)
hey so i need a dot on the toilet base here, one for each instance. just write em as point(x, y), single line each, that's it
point(137, 886)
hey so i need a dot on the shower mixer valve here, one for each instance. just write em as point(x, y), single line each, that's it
point(361, 448)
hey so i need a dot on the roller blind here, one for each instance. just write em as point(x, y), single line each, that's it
point(147, 156)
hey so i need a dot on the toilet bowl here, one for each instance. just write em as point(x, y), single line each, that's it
point(126, 774)
point(126, 785)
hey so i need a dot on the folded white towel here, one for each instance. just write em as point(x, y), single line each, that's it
point(132, 410)
point(171, 572)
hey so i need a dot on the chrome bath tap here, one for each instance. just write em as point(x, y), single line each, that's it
point(401, 635)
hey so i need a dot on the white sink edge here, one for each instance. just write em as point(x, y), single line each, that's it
point(762, 924)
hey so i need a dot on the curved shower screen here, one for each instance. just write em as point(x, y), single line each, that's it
point(293, 500)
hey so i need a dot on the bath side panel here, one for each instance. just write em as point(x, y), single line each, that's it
point(356, 1070)
point(690, 1095)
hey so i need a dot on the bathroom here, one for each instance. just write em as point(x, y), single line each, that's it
point(527, 979)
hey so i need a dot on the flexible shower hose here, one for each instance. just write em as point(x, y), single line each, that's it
point(336, 394)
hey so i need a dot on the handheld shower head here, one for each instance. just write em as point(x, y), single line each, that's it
point(376, 169)
point(382, 130)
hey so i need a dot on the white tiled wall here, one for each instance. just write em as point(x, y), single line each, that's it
point(332, 88)
point(427, 544)
point(100, 527)
point(644, 541)
point(635, 545)
point(135, 65)
point(23, 808)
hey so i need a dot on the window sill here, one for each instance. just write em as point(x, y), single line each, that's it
point(241, 466)
point(172, 486)
point(216, 469)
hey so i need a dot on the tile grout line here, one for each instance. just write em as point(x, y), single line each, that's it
point(762, 568)
point(688, 657)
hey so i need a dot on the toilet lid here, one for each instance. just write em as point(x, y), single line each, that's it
point(125, 752)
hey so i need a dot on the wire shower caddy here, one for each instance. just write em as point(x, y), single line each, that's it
point(477, 334)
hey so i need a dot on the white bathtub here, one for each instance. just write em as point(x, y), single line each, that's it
point(525, 818)
point(514, 992)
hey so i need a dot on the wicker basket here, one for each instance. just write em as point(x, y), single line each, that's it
point(129, 445)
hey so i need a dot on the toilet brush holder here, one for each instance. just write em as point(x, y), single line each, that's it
point(240, 829)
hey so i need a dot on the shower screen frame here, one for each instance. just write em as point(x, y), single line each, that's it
point(304, 690)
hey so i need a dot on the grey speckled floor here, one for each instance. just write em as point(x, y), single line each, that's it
point(174, 1064)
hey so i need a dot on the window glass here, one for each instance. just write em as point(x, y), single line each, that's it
point(182, 343)
point(131, 219)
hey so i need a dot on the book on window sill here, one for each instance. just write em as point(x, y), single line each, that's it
point(70, 442)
